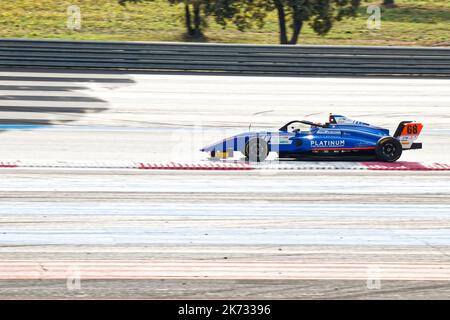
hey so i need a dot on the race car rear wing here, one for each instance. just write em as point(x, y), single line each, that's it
point(407, 132)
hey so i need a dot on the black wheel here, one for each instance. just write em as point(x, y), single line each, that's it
point(388, 149)
point(256, 150)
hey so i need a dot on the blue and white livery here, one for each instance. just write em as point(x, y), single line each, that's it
point(339, 138)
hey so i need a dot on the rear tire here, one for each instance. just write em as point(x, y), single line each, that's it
point(256, 150)
point(388, 149)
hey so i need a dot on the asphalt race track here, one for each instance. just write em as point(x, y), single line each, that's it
point(100, 231)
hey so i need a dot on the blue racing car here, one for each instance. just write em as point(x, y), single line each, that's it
point(339, 138)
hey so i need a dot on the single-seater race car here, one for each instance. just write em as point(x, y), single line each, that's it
point(338, 139)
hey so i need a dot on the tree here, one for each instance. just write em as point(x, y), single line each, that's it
point(292, 14)
point(192, 16)
point(389, 3)
point(197, 11)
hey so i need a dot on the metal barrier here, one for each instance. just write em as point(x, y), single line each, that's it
point(268, 59)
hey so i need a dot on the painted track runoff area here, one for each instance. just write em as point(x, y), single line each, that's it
point(79, 208)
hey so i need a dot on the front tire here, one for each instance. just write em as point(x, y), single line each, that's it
point(388, 149)
point(256, 150)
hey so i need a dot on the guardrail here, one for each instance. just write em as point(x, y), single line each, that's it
point(278, 59)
